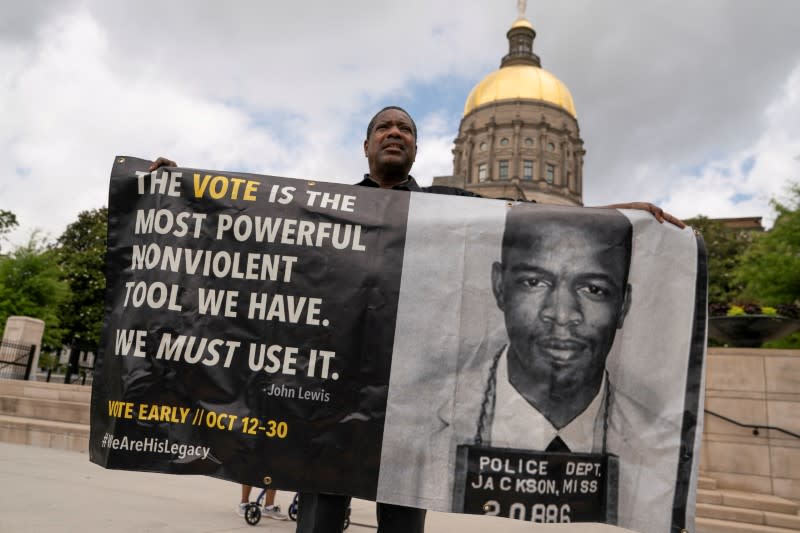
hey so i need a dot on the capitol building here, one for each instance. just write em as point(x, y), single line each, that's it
point(519, 136)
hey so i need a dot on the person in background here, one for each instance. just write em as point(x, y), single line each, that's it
point(270, 510)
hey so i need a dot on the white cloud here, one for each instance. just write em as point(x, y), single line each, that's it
point(69, 110)
point(727, 187)
point(251, 88)
point(286, 88)
point(434, 157)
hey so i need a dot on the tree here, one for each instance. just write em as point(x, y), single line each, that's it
point(8, 221)
point(81, 253)
point(725, 248)
point(31, 285)
point(769, 271)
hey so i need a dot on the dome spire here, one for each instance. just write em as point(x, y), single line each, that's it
point(520, 41)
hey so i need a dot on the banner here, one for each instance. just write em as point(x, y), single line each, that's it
point(458, 354)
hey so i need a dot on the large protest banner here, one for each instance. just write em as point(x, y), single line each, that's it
point(457, 354)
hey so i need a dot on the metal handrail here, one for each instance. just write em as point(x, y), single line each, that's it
point(754, 427)
point(16, 362)
point(8, 348)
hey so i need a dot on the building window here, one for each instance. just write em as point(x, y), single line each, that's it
point(503, 170)
point(551, 147)
point(527, 169)
point(482, 172)
point(528, 142)
point(504, 141)
point(550, 175)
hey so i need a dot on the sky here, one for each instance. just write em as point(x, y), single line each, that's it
point(691, 105)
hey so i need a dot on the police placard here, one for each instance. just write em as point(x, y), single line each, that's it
point(552, 488)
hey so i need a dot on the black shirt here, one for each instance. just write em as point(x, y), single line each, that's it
point(411, 185)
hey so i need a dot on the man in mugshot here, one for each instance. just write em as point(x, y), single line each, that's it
point(562, 285)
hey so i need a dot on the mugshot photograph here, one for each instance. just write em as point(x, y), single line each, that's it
point(536, 329)
point(562, 286)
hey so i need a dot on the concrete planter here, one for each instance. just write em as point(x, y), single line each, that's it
point(750, 331)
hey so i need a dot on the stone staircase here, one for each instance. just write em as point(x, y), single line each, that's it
point(730, 511)
point(50, 415)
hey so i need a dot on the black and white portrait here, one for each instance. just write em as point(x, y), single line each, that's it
point(542, 328)
point(562, 285)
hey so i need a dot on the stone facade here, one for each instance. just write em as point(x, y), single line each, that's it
point(759, 387)
point(521, 149)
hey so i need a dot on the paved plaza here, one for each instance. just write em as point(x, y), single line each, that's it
point(45, 490)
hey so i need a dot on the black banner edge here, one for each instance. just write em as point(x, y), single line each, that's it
point(694, 381)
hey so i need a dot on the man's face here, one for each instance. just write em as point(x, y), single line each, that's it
point(563, 293)
point(392, 145)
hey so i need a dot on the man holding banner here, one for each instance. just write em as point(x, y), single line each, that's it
point(390, 148)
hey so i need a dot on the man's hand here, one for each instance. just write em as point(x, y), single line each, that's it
point(654, 210)
point(162, 162)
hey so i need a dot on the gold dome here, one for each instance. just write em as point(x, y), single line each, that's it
point(522, 23)
point(525, 82)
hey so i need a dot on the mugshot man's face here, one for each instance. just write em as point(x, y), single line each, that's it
point(563, 293)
